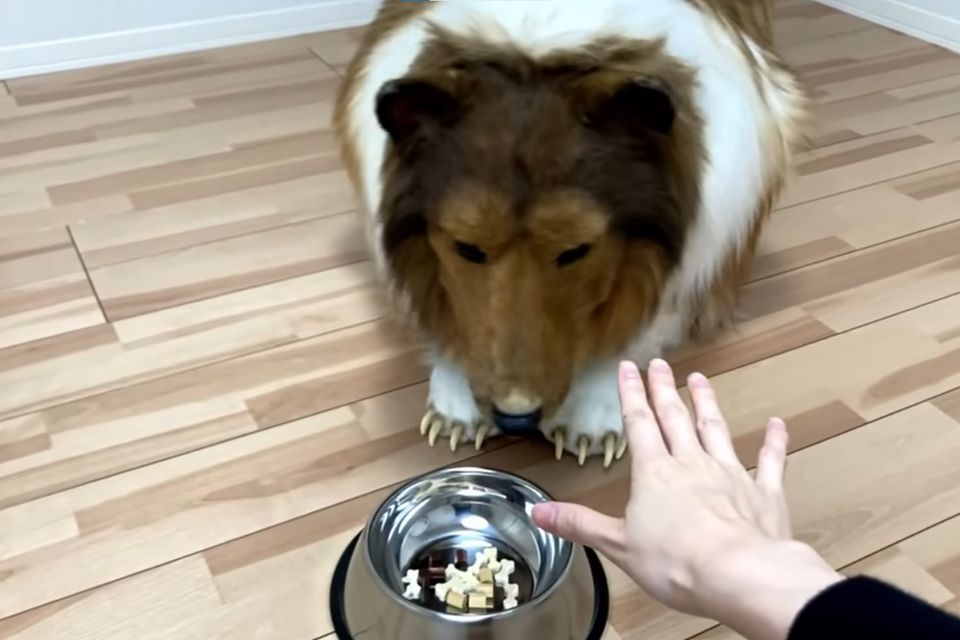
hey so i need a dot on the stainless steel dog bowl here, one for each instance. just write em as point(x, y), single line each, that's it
point(449, 515)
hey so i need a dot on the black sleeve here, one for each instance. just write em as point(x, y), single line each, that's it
point(863, 608)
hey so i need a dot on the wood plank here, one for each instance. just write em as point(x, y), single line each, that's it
point(872, 159)
point(157, 282)
point(823, 229)
point(44, 289)
point(139, 424)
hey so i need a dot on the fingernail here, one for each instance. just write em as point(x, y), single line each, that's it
point(629, 370)
point(698, 380)
point(659, 365)
point(545, 515)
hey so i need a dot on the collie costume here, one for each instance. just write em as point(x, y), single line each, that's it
point(550, 186)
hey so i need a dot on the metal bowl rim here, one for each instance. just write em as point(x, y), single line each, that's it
point(472, 619)
point(337, 590)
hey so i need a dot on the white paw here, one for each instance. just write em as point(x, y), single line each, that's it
point(590, 422)
point(452, 412)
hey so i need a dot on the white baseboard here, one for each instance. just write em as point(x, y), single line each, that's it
point(942, 30)
point(123, 46)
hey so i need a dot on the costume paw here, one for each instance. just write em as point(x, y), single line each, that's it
point(452, 412)
point(611, 444)
point(436, 425)
point(590, 421)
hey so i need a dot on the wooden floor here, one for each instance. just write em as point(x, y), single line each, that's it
point(200, 402)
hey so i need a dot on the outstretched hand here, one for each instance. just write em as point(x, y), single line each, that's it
point(699, 532)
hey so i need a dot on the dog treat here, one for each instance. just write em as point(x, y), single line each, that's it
point(478, 601)
point(412, 582)
point(441, 590)
point(463, 581)
point(502, 577)
point(489, 556)
point(462, 586)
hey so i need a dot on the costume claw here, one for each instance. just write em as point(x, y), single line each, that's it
point(609, 449)
point(482, 432)
point(427, 420)
point(435, 428)
point(558, 436)
point(583, 443)
point(456, 432)
point(621, 447)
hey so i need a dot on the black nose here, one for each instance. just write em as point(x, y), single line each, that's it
point(517, 424)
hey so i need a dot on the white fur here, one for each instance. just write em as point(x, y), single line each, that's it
point(450, 393)
point(452, 398)
point(743, 126)
point(591, 408)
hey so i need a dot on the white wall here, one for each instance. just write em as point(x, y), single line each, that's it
point(38, 36)
point(936, 21)
point(48, 35)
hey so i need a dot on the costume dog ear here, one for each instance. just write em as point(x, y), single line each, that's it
point(407, 107)
point(614, 101)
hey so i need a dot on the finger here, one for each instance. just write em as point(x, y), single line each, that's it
point(643, 433)
point(711, 426)
point(671, 413)
point(773, 457)
point(581, 525)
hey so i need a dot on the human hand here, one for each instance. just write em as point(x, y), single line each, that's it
point(700, 534)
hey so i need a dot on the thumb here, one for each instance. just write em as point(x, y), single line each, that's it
point(580, 525)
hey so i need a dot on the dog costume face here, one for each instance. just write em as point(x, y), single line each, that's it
point(539, 211)
point(532, 213)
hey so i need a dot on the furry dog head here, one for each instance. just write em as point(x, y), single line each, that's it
point(533, 211)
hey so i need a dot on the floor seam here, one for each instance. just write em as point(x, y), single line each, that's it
point(324, 61)
point(86, 273)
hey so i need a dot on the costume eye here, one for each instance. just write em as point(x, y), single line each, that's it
point(471, 252)
point(572, 255)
